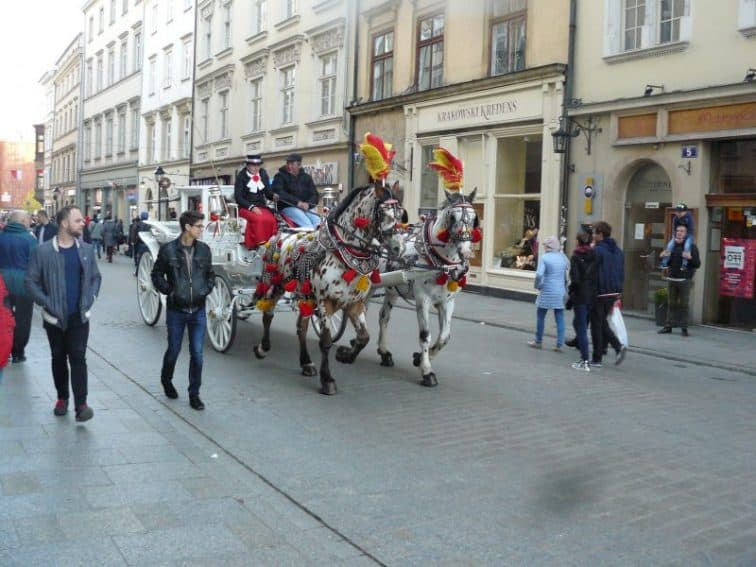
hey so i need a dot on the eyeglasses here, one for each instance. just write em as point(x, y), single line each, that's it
point(198, 226)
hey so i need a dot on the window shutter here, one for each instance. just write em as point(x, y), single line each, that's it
point(746, 14)
point(650, 31)
point(612, 24)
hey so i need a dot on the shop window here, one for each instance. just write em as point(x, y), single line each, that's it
point(517, 203)
point(428, 182)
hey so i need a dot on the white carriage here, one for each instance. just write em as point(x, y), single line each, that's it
point(237, 269)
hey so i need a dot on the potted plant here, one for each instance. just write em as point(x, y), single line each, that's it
point(661, 304)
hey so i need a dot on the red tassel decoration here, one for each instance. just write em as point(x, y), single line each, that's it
point(442, 279)
point(277, 278)
point(362, 222)
point(290, 286)
point(279, 243)
point(301, 249)
point(462, 281)
point(270, 268)
point(261, 290)
point(348, 276)
point(214, 217)
point(375, 277)
point(306, 287)
point(443, 235)
point(477, 235)
point(306, 309)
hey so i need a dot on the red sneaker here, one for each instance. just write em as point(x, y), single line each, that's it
point(61, 408)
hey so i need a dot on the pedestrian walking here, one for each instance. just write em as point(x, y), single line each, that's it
point(551, 281)
point(679, 281)
point(138, 246)
point(97, 236)
point(44, 229)
point(296, 192)
point(16, 245)
point(109, 237)
point(183, 272)
point(120, 236)
point(611, 277)
point(582, 292)
point(64, 279)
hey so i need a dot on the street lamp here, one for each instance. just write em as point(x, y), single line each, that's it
point(570, 128)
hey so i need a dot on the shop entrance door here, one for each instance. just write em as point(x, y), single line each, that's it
point(648, 195)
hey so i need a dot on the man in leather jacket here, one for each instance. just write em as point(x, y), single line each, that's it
point(296, 192)
point(184, 272)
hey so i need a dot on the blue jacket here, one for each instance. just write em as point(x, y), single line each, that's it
point(686, 220)
point(16, 245)
point(49, 230)
point(551, 279)
point(611, 268)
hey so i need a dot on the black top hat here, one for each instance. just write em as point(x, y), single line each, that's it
point(294, 157)
point(682, 207)
point(254, 159)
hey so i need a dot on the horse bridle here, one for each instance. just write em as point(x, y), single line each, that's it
point(469, 222)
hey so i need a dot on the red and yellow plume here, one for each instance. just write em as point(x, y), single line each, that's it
point(378, 156)
point(448, 167)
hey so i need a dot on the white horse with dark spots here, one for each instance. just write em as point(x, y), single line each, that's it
point(330, 269)
point(443, 245)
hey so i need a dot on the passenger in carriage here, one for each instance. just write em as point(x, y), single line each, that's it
point(251, 190)
point(296, 192)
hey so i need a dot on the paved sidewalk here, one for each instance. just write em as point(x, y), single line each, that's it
point(137, 485)
point(706, 345)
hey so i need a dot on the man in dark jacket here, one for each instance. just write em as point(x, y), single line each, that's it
point(109, 237)
point(296, 192)
point(138, 247)
point(184, 272)
point(611, 276)
point(16, 245)
point(679, 281)
point(63, 278)
point(44, 230)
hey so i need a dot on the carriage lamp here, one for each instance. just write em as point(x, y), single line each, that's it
point(571, 128)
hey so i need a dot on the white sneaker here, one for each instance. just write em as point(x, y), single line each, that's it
point(583, 365)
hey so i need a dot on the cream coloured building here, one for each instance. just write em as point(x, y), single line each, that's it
point(64, 168)
point(272, 78)
point(46, 82)
point(484, 79)
point(672, 87)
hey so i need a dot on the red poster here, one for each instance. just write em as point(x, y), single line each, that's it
point(737, 267)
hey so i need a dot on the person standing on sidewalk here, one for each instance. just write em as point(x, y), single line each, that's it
point(582, 291)
point(679, 281)
point(184, 272)
point(96, 234)
point(16, 245)
point(64, 279)
point(44, 230)
point(611, 276)
point(109, 237)
point(550, 279)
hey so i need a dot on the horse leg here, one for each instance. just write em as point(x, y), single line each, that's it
point(347, 355)
point(422, 359)
point(263, 347)
point(388, 303)
point(445, 312)
point(327, 383)
point(305, 362)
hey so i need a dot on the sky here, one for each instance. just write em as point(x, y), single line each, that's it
point(33, 35)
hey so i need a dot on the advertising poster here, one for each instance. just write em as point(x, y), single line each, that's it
point(737, 267)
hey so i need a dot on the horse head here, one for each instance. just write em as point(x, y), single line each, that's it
point(459, 220)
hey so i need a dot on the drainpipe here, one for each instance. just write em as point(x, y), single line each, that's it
point(355, 82)
point(194, 108)
point(567, 98)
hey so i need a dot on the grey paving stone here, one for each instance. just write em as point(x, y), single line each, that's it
point(175, 544)
point(38, 529)
point(322, 545)
point(40, 503)
point(100, 552)
point(156, 516)
point(280, 556)
point(19, 483)
point(134, 493)
point(20, 433)
point(9, 449)
point(151, 454)
point(8, 537)
point(151, 472)
point(99, 523)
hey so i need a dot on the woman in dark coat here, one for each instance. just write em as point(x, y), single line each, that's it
point(582, 291)
point(251, 189)
point(109, 237)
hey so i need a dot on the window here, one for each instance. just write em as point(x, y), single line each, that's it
point(154, 18)
point(101, 19)
point(632, 26)
point(204, 119)
point(227, 26)
point(112, 11)
point(223, 100)
point(124, 6)
point(168, 10)
point(122, 66)
point(669, 20)
point(111, 65)
point(121, 143)
point(98, 140)
point(165, 142)
point(152, 75)
point(208, 37)
point(137, 51)
point(167, 68)
point(289, 8)
point(383, 65)
point(508, 36)
point(89, 78)
point(188, 4)
point(327, 84)
point(636, 25)
point(99, 72)
point(91, 28)
point(135, 128)
point(109, 135)
point(186, 71)
point(186, 136)
point(255, 105)
point(287, 94)
point(151, 156)
point(430, 52)
point(259, 16)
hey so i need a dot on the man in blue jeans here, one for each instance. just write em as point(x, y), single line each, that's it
point(184, 272)
point(296, 193)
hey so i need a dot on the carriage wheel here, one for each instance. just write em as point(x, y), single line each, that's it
point(221, 316)
point(338, 324)
point(150, 304)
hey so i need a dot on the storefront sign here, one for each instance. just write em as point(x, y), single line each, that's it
point(728, 117)
point(652, 204)
point(737, 267)
point(640, 126)
point(689, 151)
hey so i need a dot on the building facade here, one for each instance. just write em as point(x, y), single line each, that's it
point(166, 123)
point(484, 79)
point(17, 174)
point(113, 55)
point(67, 120)
point(272, 78)
point(671, 86)
point(47, 196)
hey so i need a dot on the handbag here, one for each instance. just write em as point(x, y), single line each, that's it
point(617, 323)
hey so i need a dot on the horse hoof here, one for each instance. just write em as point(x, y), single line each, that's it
point(328, 388)
point(344, 355)
point(309, 370)
point(386, 359)
point(416, 359)
point(259, 352)
point(429, 380)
